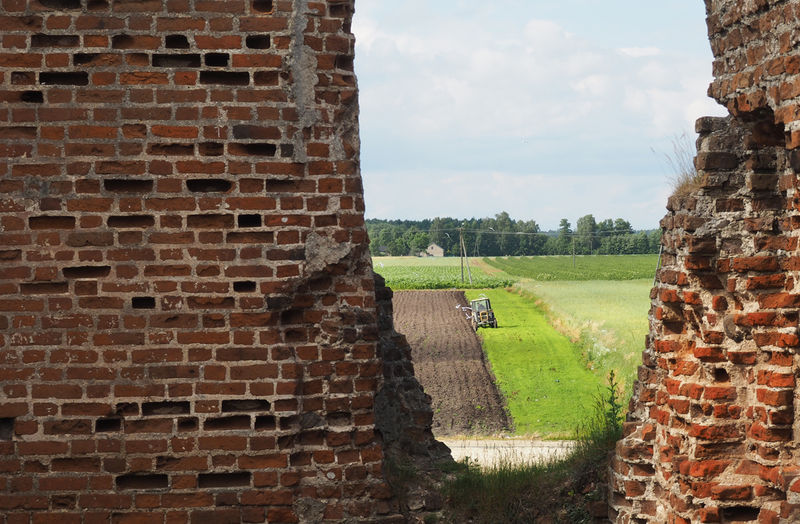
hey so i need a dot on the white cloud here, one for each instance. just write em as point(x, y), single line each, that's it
point(639, 52)
point(446, 87)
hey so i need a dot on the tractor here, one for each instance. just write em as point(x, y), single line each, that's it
point(480, 313)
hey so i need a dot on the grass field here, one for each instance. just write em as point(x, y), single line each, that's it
point(607, 319)
point(622, 267)
point(433, 273)
point(548, 390)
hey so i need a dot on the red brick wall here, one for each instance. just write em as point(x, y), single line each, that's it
point(187, 307)
point(712, 433)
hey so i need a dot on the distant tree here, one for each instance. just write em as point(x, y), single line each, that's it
point(622, 227)
point(585, 231)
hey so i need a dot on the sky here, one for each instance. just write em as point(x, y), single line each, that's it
point(546, 109)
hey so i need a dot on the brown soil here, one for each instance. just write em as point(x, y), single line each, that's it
point(449, 363)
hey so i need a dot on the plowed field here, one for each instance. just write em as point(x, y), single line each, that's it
point(449, 363)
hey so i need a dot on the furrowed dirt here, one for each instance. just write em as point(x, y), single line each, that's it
point(449, 363)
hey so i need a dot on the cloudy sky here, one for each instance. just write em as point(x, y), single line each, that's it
point(547, 109)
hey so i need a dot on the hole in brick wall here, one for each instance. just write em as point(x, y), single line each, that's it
point(143, 303)
point(104, 425)
point(130, 221)
point(339, 10)
point(244, 286)
point(32, 97)
point(120, 185)
point(720, 375)
point(344, 62)
point(223, 480)
point(257, 149)
point(740, 514)
point(61, 4)
point(84, 58)
point(257, 41)
point(245, 404)
point(49, 222)
point(23, 78)
point(122, 42)
point(217, 59)
point(6, 428)
point(265, 422)
point(96, 5)
point(171, 149)
point(65, 79)
point(212, 148)
point(176, 42)
point(248, 221)
point(165, 408)
point(226, 78)
point(54, 40)
point(138, 481)
point(223, 423)
point(287, 150)
point(188, 424)
point(176, 60)
point(86, 271)
point(209, 185)
point(44, 288)
point(263, 6)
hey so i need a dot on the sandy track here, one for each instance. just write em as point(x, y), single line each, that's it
point(449, 363)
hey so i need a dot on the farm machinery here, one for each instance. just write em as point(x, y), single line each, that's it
point(480, 313)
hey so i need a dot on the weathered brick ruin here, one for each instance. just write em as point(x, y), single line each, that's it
point(189, 329)
point(712, 435)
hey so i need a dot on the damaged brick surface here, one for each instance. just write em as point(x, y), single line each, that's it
point(712, 433)
point(189, 329)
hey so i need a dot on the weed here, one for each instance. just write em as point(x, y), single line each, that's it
point(553, 492)
point(684, 179)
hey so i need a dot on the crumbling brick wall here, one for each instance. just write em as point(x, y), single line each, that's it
point(188, 322)
point(712, 433)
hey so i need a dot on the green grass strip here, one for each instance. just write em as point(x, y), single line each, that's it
point(539, 371)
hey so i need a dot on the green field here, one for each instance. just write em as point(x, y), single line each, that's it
point(434, 273)
point(561, 325)
point(599, 267)
point(607, 319)
point(548, 390)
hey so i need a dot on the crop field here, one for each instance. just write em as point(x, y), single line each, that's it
point(599, 267)
point(434, 273)
point(607, 319)
point(559, 326)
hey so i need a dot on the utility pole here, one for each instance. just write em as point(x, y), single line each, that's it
point(464, 256)
point(573, 250)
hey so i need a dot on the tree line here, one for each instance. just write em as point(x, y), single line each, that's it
point(504, 236)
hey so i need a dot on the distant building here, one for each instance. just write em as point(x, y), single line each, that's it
point(434, 250)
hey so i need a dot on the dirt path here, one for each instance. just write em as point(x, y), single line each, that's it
point(449, 363)
point(494, 452)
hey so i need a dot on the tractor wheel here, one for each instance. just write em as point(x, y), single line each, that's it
point(494, 324)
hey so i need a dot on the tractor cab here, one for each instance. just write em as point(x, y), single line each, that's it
point(482, 314)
